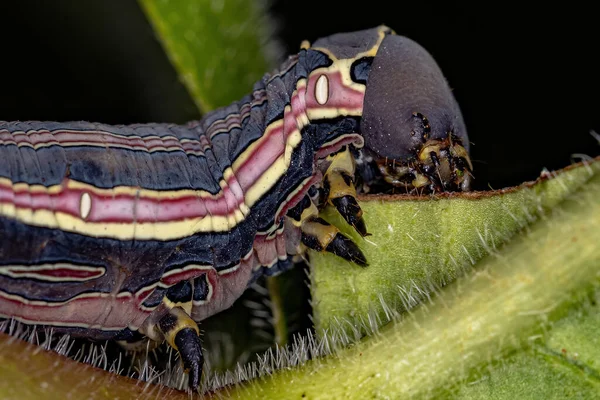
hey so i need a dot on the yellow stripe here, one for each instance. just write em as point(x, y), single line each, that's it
point(178, 229)
point(150, 230)
point(100, 295)
point(123, 231)
point(330, 113)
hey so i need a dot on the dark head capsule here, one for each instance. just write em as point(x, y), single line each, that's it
point(412, 125)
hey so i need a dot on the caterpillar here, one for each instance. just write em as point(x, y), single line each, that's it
point(142, 231)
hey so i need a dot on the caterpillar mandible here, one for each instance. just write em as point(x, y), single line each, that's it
point(111, 232)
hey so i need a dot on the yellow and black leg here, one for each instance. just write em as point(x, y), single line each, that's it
point(338, 186)
point(182, 333)
point(171, 321)
point(319, 235)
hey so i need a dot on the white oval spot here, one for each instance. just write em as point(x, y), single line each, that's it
point(85, 205)
point(322, 89)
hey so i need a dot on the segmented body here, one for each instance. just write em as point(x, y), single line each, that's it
point(99, 224)
point(106, 231)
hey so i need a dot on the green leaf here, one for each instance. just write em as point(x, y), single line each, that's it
point(510, 302)
point(565, 364)
point(421, 243)
point(219, 48)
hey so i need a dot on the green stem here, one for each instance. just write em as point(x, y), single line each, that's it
point(279, 320)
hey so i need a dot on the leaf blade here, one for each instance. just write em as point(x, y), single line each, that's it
point(422, 243)
point(219, 48)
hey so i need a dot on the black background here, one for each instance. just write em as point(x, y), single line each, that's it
point(527, 80)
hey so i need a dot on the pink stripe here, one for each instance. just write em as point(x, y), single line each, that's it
point(125, 208)
point(264, 156)
point(100, 138)
point(235, 119)
point(143, 294)
point(109, 312)
point(184, 274)
point(298, 103)
point(273, 145)
point(59, 272)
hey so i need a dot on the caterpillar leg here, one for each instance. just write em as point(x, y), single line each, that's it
point(182, 334)
point(338, 184)
point(317, 234)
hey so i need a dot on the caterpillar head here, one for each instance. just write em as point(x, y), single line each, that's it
point(414, 133)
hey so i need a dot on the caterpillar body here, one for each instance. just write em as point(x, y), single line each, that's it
point(114, 231)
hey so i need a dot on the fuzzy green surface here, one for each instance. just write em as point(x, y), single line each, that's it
point(219, 48)
point(564, 363)
point(577, 338)
point(529, 376)
point(510, 300)
point(423, 243)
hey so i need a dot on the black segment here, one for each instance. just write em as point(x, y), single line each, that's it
point(344, 247)
point(155, 298)
point(348, 180)
point(180, 292)
point(349, 209)
point(167, 322)
point(324, 191)
point(190, 349)
point(311, 242)
point(316, 59)
point(296, 211)
point(231, 265)
point(359, 71)
point(426, 127)
point(201, 288)
point(130, 336)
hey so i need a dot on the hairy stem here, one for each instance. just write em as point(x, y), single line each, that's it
point(279, 320)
